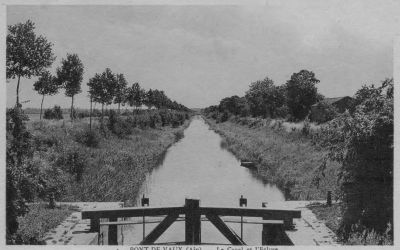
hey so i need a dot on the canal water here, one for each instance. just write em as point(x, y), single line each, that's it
point(198, 167)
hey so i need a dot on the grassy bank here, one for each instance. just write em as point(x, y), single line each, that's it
point(107, 163)
point(109, 169)
point(288, 159)
point(332, 217)
point(39, 220)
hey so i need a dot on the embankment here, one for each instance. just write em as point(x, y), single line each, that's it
point(288, 159)
point(113, 170)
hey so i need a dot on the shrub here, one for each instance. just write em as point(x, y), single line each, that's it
point(306, 127)
point(119, 126)
point(53, 114)
point(90, 138)
point(224, 117)
point(363, 144)
point(38, 221)
point(73, 160)
point(19, 153)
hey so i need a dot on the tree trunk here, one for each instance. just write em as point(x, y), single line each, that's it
point(19, 77)
point(72, 109)
point(119, 105)
point(41, 108)
point(90, 115)
point(102, 113)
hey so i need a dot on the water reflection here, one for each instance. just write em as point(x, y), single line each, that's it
point(199, 167)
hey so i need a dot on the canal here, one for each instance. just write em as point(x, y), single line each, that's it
point(198, 167)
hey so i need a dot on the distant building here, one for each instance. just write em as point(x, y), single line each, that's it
point(322, 111)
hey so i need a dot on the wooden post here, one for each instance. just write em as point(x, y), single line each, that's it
point(95, 225)
point(192, 222)
point(113, 233)
point(329, 199)
point(273, 233)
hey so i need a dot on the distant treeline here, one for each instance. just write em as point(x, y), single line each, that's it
point(30, 55)
point(292, 100)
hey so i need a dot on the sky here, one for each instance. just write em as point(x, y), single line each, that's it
point(201, 54)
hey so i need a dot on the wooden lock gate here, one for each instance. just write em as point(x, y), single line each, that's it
point(274, 221)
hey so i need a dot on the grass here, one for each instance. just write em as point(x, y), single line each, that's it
point(39, 220)
point(288, 159)
point(106, 168)
point(332, 217)
point(113, 171)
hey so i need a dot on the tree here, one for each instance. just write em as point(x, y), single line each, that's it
point(363, 144)
point(160, 100)
point(135, 95)
point(265, 98)
point(46, 85)
point(301, 93)
point(70, 77)
point(149, 98)
point(120, 90)
point(27, 55)
point(102, 89)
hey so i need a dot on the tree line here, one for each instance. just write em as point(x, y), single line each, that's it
point(360, 140)
point(28, 55)
point(292, 100)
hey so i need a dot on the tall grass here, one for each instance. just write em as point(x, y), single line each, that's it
point(81, 165)
point(290, 160)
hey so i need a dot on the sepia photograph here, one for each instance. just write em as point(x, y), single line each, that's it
point(217, 124)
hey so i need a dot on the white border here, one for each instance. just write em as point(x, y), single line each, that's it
point(3, 22)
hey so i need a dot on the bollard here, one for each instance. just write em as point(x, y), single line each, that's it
point(52, 202)
point(145, 201)
point(192, 222)
point(329, 199)
point(242, 201)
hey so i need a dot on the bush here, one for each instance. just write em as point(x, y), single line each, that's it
point(53, 114)
point(19, 152)
point(38, 221)
point(118, 125)
point(90, 138)
point(306, 127)
point(73, 160)
point(363, 144)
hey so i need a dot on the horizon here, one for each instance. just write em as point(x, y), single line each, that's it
point(200, 54)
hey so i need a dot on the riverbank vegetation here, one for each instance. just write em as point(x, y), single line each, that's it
point(83, 158)
point(38, 221)
point(76, 163)
point(350, 154)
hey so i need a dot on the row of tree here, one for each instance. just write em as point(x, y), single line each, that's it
point(30, 55)
point(266, 99)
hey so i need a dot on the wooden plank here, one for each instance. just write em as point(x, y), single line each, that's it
point(274, 234)
point(225, 230)
point(159, 229)
point(130, 212)
point(156, 211)
point(255, 221)
point(113, 233)
point(95, 224)
point(269, 214)
point(192, 222)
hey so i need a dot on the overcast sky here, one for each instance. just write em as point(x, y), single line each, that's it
point(200, 54)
